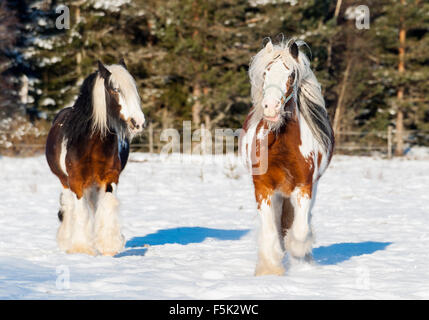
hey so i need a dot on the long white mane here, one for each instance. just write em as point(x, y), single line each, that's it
point(309, 96)
point(121, 78)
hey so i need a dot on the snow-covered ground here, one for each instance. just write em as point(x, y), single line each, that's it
point(191, 232)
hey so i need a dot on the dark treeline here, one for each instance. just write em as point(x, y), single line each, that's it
point(190, 58)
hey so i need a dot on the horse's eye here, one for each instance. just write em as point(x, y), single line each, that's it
point(116, 90)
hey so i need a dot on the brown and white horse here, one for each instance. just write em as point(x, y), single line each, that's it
point(287, 141)
point(87, 148)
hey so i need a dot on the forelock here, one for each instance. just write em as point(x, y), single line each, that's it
point(122, 78)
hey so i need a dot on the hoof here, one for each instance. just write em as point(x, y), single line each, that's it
point(110, 247)
point(110, 253)
point(299, 249)
point(307, 258)
point(269, 270)
point(81, 248)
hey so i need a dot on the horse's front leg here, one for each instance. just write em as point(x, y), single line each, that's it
point(81, 233)
point(270, 251)
point(108, 238)
point(299, 238)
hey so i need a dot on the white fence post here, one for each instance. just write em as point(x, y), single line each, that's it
point(150, 129)
point(389, 142)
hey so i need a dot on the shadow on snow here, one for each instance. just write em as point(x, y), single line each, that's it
point(340, 252)
point(324, 255)
point(181, 235)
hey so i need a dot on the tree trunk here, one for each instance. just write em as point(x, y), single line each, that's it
point(197, 106)
point(164, 119)
point(208, 122)
point(23, 92)
point(338, 109)
point(336, 14)
point(337, 9)
point(78, 67)
point(150, 131)
point(399, 151)
point(399, 136)
point(77, 19)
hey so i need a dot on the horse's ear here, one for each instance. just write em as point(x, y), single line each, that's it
point(122, 63)
point(104, 73)
point(269, 46)
point(294, 51)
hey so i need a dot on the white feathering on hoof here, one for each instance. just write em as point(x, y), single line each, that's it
point(108, 237)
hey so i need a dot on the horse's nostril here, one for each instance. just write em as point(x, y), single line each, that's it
point(266, 106)
point(134, 125)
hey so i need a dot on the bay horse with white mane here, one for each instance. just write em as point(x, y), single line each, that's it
point(87, 148)
point(287, 141)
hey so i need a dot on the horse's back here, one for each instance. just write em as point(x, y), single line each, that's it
point(60, 116)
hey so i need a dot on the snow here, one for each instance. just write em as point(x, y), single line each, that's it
point(110, 5)
point(44, 43)
point(47, 101)
point(191, 230)
point(417, 153)
point(257, 3)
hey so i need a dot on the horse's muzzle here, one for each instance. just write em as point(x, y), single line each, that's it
point(135, 126)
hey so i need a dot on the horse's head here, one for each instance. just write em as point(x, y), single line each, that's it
point(123, 104)
point(279, 85)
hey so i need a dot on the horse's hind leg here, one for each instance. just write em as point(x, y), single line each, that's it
point(299, 238)
point(108, 238)
point(287, 216)
point(270, 251)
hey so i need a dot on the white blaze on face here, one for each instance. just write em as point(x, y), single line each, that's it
point(129, 99)
point(276, 77)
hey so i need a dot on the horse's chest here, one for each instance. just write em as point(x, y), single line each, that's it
point(286, 162)
point(97, 155)
point(123, 152)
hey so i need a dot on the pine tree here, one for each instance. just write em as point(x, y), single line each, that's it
point(8, 35)
point(190, 58)
point(400, 38)
point(60, 59)
point(203, 60)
